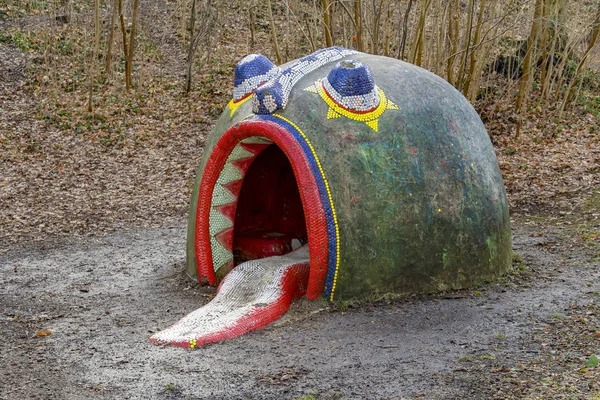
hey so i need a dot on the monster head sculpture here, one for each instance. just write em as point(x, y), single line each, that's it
point(339, 175)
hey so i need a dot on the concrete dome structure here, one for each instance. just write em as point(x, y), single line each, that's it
point(382, 169)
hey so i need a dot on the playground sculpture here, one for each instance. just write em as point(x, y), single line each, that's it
point(339, 175)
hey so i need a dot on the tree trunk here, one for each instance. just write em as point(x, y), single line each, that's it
point(191, 50)
point(453, 19)
point(437, 38)
point(286, 37)
point(310, 36)
point(111, 33)
point(360, 45)
point(463, 65)
point(273, 34)
point(129, 70)
point(95, 53)
point(592, 42)
point(402, 45)
point(192, 20)
point(388, 23)
point(376, 23)
point(523, 87)
point(417, 50)
point(544, 43)
point(124, 32)
point(547, 79)
point(326, 22)
point(475, 52)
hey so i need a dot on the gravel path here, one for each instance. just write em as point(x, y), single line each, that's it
point(102, 298)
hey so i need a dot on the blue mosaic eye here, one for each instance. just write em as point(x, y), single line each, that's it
point(350, 91)
point(250, 73)
point(351, 86)
point(351, 78)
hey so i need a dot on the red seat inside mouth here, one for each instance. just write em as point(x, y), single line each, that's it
point(259, 244)
point(269, 214)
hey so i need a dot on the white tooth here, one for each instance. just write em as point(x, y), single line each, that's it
point(256, 140)
point(221, 196)
point(229, 173)
point(238, 153)
point(220, 254)
point(218, 222)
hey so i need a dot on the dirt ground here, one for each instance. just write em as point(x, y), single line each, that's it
point(96, 301)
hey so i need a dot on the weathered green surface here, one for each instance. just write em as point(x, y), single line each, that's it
point(421, 204)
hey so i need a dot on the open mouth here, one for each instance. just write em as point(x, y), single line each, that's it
point(269, 218)
point(265, 229)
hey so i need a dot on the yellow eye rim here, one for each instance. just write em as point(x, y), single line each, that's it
point(233, 105)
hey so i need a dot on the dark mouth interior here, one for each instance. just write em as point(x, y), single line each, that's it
point(269, 218)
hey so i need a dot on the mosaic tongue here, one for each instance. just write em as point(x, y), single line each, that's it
point(251, 296)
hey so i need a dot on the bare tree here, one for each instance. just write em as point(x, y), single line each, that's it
point(111, 33)
point(463, 65)
point(593, 38)
point(417, 47)
point(326, 22)
point(524, 85)
point(273, 33)
point(129, 56)
point(402, 44)
point(453, 35)
point(124, 33)
point(376, 23)
point(251, 23)
point(475, 52)
point(358, 22)
point(208, 15)
point(95, 53)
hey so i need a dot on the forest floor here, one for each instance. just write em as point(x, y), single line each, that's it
point(92, 248)
point(76, 319)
